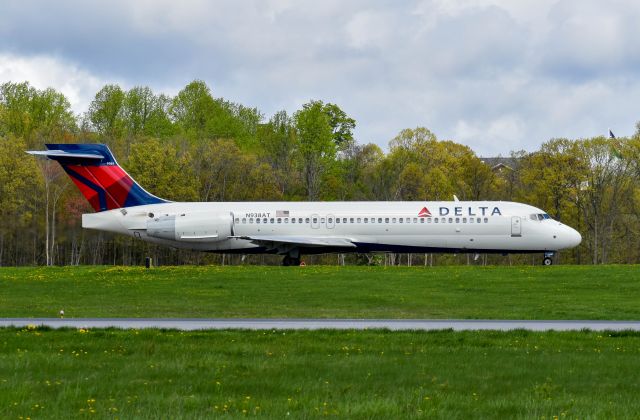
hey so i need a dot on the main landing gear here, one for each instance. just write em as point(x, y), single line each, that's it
point(290, 261)
point(548, 258)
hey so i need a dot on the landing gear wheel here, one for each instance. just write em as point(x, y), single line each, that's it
point(547, 261)
point(290, 261)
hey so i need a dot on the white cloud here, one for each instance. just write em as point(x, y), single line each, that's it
point(44, 71)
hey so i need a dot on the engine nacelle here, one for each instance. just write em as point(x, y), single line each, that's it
point(191, 227)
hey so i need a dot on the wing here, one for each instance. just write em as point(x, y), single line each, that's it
point(283, 244)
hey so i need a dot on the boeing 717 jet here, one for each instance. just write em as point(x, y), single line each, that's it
point(292, 229)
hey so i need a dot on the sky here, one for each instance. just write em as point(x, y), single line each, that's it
point(496, 75)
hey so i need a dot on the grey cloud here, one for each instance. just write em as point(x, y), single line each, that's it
point(490, 73)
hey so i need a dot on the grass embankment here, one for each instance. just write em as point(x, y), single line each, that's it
point(562, 292)
point(349, 374)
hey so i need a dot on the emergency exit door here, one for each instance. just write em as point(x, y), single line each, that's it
point(516, 226)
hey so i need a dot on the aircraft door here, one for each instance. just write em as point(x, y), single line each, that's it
point(331, 221)
point(315, 221)
point(516, 226)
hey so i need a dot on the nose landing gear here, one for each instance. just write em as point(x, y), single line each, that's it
point(548, 258)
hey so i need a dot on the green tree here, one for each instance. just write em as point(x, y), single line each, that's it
point(277, 147)
point(342, 126)
point(106, 111)
point(20, 191)
point(192, 108)
point(162, 170)
point(34, 115)
point(316, 146)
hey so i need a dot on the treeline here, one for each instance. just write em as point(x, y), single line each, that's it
point(194, 146)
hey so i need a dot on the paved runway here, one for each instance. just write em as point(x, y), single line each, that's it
point(190, 324)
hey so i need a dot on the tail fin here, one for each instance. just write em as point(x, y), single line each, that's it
point(96, 173)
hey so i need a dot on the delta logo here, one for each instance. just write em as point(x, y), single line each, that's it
point(424, 212)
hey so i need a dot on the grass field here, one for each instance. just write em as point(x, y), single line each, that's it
point(560, 292)
point(348, 374)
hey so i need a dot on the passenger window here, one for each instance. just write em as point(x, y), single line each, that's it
point(408, 220)
point(457, 220)
point(306, 220)
point(393, 220)
point(286, 220)
point(237, 220)
point(271, 220)
point(293, 220)
point(264, 220)
point(322, 220)
point(443, 220)
point(257, 220)
point(400, 220)
point(337, 220)
point(451, 220)
point(435, 220)
point(429, 220)
point(300, 220)
point(330, 220)
point(244, 220)
point(464, 220)
point(366, 220)
point(479, 220)
point(279, 220)
point(315, 220)
point(386, 220)
point(359, 220)
point(379, 219)
point(415, 220)
point(422, 220)
point(471, 220)
point(486, 220)
point(344, 220)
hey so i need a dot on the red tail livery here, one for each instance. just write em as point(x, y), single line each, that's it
point(101, 180)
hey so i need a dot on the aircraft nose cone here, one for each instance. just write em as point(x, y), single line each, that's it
point(574, 238)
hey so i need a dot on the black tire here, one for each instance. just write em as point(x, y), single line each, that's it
point(295, 262)
point(547, 261)
point(286, 261)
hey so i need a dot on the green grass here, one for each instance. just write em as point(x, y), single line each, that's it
point(348, 374)
point(561, 292)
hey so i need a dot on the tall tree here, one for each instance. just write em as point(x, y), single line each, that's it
point(277, 144)
point(106, 111)
point(317, 147)
point(342, 126)
point(192, 108)
point(161, 169)
point(34, 115)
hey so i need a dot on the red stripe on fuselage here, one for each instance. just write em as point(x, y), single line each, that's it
point(112, 179)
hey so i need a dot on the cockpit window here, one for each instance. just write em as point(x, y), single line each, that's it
point(539, 216)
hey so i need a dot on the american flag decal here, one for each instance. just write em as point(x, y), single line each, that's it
point(424, 212)
point(282, 213)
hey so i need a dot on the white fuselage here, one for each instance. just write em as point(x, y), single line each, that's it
point(245, 227)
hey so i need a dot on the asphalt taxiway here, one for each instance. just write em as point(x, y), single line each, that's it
point(191, 324)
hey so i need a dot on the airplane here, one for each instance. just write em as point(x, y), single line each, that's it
point(292, 229)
